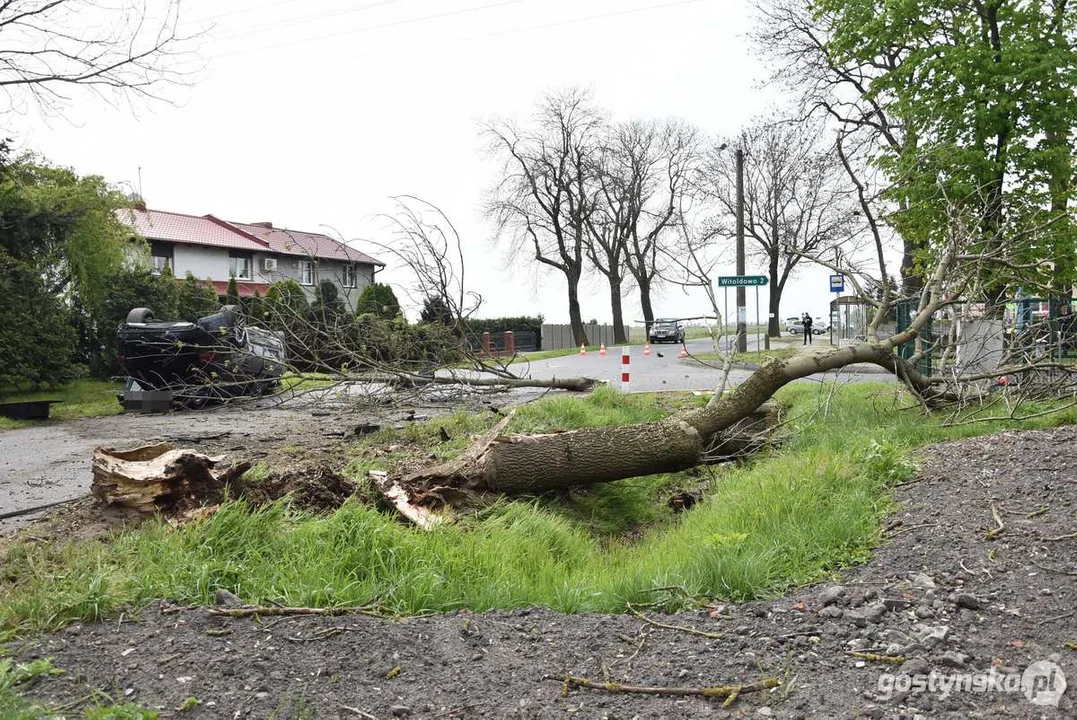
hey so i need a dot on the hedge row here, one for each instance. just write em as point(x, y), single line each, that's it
point(499, 325)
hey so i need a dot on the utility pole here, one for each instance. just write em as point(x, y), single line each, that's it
point(742, 310)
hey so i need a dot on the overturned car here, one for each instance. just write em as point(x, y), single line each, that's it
point(191, 364)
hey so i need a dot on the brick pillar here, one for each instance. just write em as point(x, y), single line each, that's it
point(510, 343)
point(486, 343)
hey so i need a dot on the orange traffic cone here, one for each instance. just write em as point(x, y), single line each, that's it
point(583, 349)
point(646, 349)
point(602, 349)
point(684, 351)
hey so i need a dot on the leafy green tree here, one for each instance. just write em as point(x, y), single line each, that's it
point(327, 299)
point(378, 299)
point(986, 95)
point(132, 287)
point(232, 293)
point(37, 341)
point(196, 299)
point(60, 243)
point(256, 308)
point(436, 310)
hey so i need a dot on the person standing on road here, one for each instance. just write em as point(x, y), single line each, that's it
point(807, 329)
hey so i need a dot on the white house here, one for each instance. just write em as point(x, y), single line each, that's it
point(256, 254)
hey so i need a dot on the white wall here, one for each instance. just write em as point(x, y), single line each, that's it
point(211, 263)
point(205, 263)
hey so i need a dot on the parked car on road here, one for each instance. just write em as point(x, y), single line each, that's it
point(795, 326)
point(665, 330)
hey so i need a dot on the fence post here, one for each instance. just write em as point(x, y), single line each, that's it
point(510, 343)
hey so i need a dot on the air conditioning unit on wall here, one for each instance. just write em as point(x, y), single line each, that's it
point(269, 264)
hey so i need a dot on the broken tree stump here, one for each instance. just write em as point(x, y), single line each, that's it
point(160, 478)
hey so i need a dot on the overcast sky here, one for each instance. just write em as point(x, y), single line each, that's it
point(311, 113)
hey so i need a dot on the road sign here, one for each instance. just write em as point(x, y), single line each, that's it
point(837, 283)
point(741, 280)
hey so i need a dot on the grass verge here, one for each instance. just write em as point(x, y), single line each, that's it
point(82, 398)
point(13, 706)
point(786, 518)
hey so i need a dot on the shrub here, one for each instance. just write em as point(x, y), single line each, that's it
point(496, 326)
point(378, 300)
point(196, 300)
point(436, 310)
point(37, 341)
point(131, 288)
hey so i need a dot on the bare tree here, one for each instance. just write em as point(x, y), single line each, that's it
point(115, 49)
point(527, 464)
point(425, 242)
point(797, 201)
point(643, 175)
point(545, 197)
point(796, 41)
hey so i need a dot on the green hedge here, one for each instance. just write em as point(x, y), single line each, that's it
point(495, 326)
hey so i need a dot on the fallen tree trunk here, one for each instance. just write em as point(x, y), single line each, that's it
point(572, 384)
point(160, 478)
point(538, 463)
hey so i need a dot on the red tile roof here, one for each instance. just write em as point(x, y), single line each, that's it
point(246, 289)
point(175, 227)
point(297, 242)
point(210, 230)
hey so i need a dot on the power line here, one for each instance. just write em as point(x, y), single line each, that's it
point(511, 31)
point(396, 23)
point(293, 21)
point(589, 18)
point(242, 11)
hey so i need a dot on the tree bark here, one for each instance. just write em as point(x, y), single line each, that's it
point(576, 384)
point(575, 318)
point(530, 464)
point(615, 307)
point(645, 303)
point(775, 290)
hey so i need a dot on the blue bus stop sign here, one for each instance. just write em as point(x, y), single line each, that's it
point(837, 283)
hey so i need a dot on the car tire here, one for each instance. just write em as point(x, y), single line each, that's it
point(140, 315)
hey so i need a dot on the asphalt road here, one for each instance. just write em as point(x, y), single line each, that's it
point(663, 370)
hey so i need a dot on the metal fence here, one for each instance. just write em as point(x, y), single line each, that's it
point(973, 337)
point(558, 337)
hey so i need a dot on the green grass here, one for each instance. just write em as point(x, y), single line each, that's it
point(788, 517)
point(82, 398)
point(14, 706)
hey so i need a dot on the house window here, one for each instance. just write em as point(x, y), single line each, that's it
point(348, 279)
point(240, 265)
point(160, 257)
point(306, 272)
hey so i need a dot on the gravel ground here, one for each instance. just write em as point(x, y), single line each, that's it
point(975, 578)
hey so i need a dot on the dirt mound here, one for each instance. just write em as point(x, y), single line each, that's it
point(975, 578)
point(317, 489)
